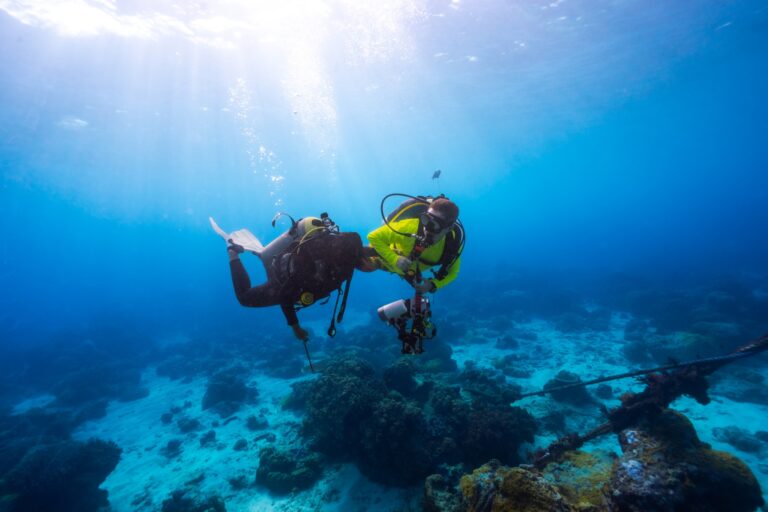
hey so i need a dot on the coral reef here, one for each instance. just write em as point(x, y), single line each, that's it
point(575, 396)
point(666, 467)
point(553, 421)
point(338, 402)
point(496, 431)
point(581, 478)
point(172, 448)
point(187, 425)
point(744, 387)
point(297, 399)
point(440, 496)
point(721, 314)
point(636, 329)
point(507, 342)
point(283, 472)
point(497, 488)
point(514, 365)
point(227, 392)
point(186, 501)
point(95, 364)
point(437, 357)
point(487, 385)
point(394, 445)
point(739, 438)
point(582, 320)
point(400, 377)
point(64, 476)
point(209, 438)
point(399, 440)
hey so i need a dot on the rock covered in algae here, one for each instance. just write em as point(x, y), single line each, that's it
point(575, 396)
point(666, 467)
point(496, 488)
point(440, 495)
point(582, 478)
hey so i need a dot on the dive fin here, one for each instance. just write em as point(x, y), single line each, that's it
point(223, 234)
point(241, 237)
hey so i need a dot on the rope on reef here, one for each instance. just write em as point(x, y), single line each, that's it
point(662, 388)
point(751, 349)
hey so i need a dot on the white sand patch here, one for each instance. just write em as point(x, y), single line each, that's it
point(145, 477)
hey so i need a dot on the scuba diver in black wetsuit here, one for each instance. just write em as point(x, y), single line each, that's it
point(305, 264)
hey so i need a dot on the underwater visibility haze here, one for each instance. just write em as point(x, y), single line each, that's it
point(609, 162)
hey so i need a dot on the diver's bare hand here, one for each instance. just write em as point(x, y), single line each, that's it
point(300, 333)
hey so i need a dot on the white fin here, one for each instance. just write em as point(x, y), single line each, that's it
point(241, 237)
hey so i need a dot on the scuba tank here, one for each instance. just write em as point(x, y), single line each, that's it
point(306, 245)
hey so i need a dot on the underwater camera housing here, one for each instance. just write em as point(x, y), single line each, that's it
point(415, 312)
point(395, 310)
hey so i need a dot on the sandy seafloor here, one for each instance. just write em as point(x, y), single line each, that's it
point(145, 477)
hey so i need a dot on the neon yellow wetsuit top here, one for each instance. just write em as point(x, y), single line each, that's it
point(390, 245)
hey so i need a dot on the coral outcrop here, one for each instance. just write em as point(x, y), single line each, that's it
point(496, 488)
point(666, 467)
point(227, 392)
point(186, 501)
point(63, 476)
point(399, 440)
point(575, 396)
point(395, 447)
point(496, 432)
point(338, 403)
point(283, 472)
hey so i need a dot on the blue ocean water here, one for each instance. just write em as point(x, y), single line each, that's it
point(596, 149)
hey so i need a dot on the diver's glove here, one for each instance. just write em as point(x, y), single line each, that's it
point(427, 285)
point(232, 246)
point(403, 264)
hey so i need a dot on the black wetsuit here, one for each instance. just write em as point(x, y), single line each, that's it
point(318, 266)
point(271, 293)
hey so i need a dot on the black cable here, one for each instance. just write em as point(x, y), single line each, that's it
point(718, 359)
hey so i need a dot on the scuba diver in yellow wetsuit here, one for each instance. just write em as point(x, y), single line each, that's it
point(422, 233)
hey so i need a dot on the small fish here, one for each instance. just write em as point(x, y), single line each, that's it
point(436, 174)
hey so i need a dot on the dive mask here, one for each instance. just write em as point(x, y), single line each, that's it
point(434, 224)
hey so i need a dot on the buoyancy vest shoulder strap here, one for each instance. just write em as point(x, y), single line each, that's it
point(454, 243)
